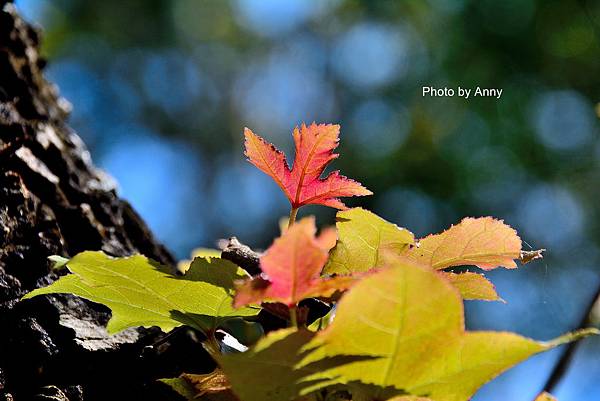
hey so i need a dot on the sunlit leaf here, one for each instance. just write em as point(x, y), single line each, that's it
point(141, 292)
point(484, 242)
point(323, 322)
point(292, 268)
point(473, 286)
point(412, 319)
point(365, 241)
point(302, 184)
point(327, 238)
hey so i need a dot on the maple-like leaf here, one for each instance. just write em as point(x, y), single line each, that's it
point(388, 342)
point(365, 242)
point(327, 237)
point(291, 269)
point(302, 184)
point(484, 242)
point(142, 292)
point(412, 321)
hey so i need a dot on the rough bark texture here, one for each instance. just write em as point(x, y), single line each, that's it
point(242, 255)
point(54, 201)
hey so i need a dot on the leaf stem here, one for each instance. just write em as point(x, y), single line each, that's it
point(212, 344)
point(293, 214)
point(293, 316)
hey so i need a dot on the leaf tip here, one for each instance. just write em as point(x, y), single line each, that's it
point(58, 262)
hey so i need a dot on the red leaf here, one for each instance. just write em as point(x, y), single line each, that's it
point(303, 184)
point(292, 269)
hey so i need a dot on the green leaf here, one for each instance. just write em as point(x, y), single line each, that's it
point(270, 371)
point(181, 387)
point(413, 320)
point(364, 242)
point(141, 292)
point(266, 371)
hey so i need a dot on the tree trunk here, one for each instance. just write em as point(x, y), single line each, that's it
point(54, 201)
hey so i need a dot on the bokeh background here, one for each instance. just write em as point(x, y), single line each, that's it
point(161, 91)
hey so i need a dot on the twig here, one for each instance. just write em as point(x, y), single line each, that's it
point(563, 363)
point(242, 256)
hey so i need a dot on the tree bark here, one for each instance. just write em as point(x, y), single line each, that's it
point(54, 201)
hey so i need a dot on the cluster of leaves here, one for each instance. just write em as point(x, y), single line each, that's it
point(395, 330)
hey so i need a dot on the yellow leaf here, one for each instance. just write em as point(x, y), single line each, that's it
point(473, 286)
point(484, 242)
point(411, 321)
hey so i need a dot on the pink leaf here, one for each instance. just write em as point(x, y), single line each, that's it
point(292, 269)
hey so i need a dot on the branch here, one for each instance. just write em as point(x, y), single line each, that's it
point(242, 255)
point(563, 363)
